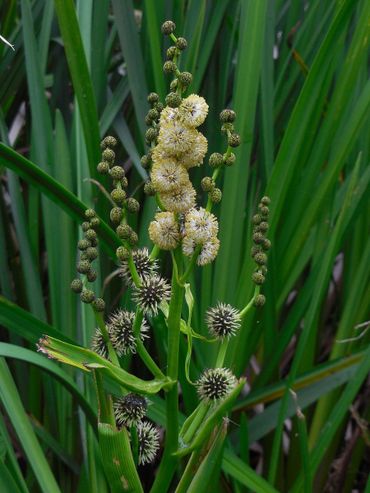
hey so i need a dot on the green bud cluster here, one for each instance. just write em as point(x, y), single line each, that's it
point(261, 246)
point(108, 155)
point(89, 253)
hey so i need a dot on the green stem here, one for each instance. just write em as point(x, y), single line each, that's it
point(169, 462)
point(133, 271)
point(191, 265)
point(250, 304)
point(155, 252)
point(222, 353)
point(197, 420)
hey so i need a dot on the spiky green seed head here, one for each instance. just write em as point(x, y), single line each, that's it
point(153, 98)
point(168, 27)
point(148, 438)
point(169, 67)
point(124, 231)
point(215, 195)
point(181, 44)
point(258, 278)
point(103, 167)
point(207, 184)
point(185, 78)
point(173, 100)
point(98, 344)
point(99, 304)
point(122, 253)
point(108, 141)
point(215, 384)
point(151, 293)
point(259, 300)
point(117, 172)
point(118, 195)
point(87, 296)
point(229, 159)
point(76, 286)
point(223, 320)
point(83, 266)
point(227, 116)
point(144, 265)
point(215, 160)
point(132, 205)
point(130, 410)
point(116, 215)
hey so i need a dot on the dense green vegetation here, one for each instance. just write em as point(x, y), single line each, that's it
point(296, 75)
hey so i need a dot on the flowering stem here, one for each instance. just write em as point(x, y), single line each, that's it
point(168, 463)
point(141, 350)
point(222, 353)
point(250, 304)
point(133, 271)
point(194, 425)
point(104, 332)
point(191, 265)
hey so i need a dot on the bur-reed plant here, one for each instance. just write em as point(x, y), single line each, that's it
point(296, 75)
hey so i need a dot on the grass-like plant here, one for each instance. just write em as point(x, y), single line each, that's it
point(168, 343)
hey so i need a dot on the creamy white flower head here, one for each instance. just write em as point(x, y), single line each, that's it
point(168, 175)
point(195, 155)
point(188, 246)
point(180, 200)
point(175, 138)
point(169, 114)
point(209, 251)
point(200, 225)
point(159, 155)
point(164, 231)
point(193, 110)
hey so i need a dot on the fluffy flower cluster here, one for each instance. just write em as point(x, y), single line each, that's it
point(200, 231)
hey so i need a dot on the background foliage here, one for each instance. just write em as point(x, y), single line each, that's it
point(297, 75)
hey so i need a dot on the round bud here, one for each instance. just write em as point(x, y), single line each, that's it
point(83, 266)
point(265, 200)
point(181, 43)
point(227, 116)
point(263, 226)
point(215, 160)
point(215, 195)
point(234, 140)
point(255, 249)
point(264, 210)
point(133, 238)
point(87, 296)
point(173, 85)
point(117, 172)
point(259, 300)
point(76, 285)
point(153, 98)
point(92, 253)
point(207, 184)
point(122, 253)
point(85, 226)
point(171, 52)
point(90, 234)
point(173, 100)
point(94, 222)
point(258, 238)
point(145, 161)
point(168, 28)
point(132, 205)
point(153, 114)
point(159, 107)
point(266, 245)
point(258, 278)
point(92, 275)
point(185, 78)
point(124, 182)
point(89, 213)
point(116, 215)
point(229, 159)
point(151, 134)
point(118, 195)
point(169, 67)
point(256, 219)
point(148, 121)
point(124, 231)
point(260, 258)
point(108, 155)
point(103, 167)
point(93, 242)
point(149, 188)
point(99, 304)
point(83, 244)
point(108, 141)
